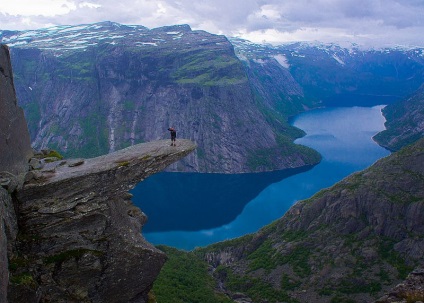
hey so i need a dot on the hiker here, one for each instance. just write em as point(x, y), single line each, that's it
point(173, 136)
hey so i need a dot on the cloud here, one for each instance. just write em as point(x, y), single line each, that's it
point(37, 8)
point(275, 21)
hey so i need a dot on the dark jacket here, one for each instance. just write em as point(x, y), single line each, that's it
point(173, 132)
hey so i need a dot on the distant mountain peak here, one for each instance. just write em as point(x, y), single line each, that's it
point(66, 38)
point(178, 27)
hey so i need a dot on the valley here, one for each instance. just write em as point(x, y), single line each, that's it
point(107, 90)
point(191, 214)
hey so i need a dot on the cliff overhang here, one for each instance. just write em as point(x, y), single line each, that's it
point(79, 233)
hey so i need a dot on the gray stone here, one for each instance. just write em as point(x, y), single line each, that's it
point(35, 163)
point(87, 229)
point(75, 162)
point(15, 147)
point(8, 233)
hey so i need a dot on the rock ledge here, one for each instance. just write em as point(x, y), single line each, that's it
point(80, 238)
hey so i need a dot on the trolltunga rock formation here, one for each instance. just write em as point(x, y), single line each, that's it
point(80, 233)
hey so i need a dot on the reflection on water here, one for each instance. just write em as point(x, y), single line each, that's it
point(218, 210)
point(192, 201)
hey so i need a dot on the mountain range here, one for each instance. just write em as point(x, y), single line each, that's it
point(67, 223)
point(92, 89)
point(352, 242)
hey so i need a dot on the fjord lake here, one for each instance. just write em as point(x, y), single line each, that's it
point(188, 210)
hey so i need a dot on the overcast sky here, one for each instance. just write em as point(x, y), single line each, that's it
point(366, 22)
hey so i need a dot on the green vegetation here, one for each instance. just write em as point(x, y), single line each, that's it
point(123, 163)
point(17, 263)
point(285, 134)
point(384, 276)
point(289, 284)
point(225, 244)
point(32, 115)
point(76, 67)
point(267, 257)
point(54, 154)
point(340, 299)
point(262, 158)
point(128, 105)
point(298, 259)
point(294, 235)
point(264, 257)
point(95, 134)
point(404, 131)
point(146, 157)
point(352, 286)
point(255, 288)
point(185, 278)
point(23, 279)
point(388, 254)
point(71, 254)
point(209, 68)
point(266, 157)
point(200, 153)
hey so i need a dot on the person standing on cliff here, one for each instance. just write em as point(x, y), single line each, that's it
point(173, 136)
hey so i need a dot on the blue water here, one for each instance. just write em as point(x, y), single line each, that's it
point(191, 210)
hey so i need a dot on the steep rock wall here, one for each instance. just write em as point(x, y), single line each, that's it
point(80, 233)
point(89, 102)
point(8, 233)
point(68, 229)
point(15, 150)
point(353, 241)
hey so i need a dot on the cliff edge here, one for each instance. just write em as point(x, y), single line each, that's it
point(15, 147)
point(80, 233)
point(68, 230)
point(15, 150)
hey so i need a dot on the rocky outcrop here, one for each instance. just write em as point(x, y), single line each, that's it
point(405, 122)
point(411, 290)
point(15, 147)
point(15, 150)
point(353, 241)
point(8, 233)
point(68, 229)
point(79, 238)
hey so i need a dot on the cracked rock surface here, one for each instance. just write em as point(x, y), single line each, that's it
point(80, 233)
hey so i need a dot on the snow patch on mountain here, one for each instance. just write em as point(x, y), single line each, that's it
point(338, 59)
point(282, 60)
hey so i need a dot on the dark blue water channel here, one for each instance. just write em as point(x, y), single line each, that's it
point(187, 210)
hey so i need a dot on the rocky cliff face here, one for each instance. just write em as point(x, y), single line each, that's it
point(8, 233)
point(15, 150)
point(353, 241)
point(95, 89)
point(411, 290)
point(79, 234)
point(68, 229)
point(405, 122)
point(91, 89)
